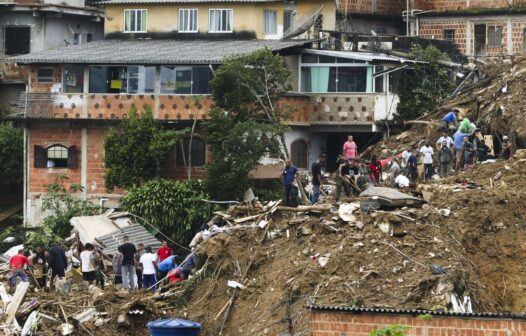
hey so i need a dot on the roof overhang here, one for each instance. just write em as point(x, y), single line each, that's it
point(153, 52)
point(361, 56)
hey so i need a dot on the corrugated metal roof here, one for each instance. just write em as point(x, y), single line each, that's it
point(360, 56)
point(358, 310)
point(135, 232)
point(153, 51)
point(130, 2)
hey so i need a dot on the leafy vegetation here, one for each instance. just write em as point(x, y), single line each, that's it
point(422, 89)
point(62, 206)
point(11, 157)
point(173, 207)
point(136, 153)
point(246, 121)
point(392, 330)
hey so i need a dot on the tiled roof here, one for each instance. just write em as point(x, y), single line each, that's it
point(153, 51)
point(359, 310)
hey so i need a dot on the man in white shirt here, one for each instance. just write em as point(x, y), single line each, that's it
point(427, 152)
point(445, 137)
point(149, 268)
point(401, 182)
point(87, 264)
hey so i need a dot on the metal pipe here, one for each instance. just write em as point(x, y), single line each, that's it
point(407, 18)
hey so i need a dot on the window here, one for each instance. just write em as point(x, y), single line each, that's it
point(141, 79)
point(379, 80)
point(494, 37)
point(17, 40)
point(56, 156)
point(449, 34)
point(135, 20)
point(188, 20)
point(89, 37)
point(185, 79)
point(220, 20)
point(323, 79)
point(76, 38)
point(121, 79)
point(198, 153)
point(287, 20)
point(72, 79)
point(270, 22)
point(45, 75)
point(298, 150)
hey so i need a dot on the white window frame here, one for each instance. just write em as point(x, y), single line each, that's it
point(275, 12)
point(231, 20)
point(135, 10)
point(190, 10)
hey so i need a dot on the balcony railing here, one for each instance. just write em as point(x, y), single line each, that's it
point(328, 109)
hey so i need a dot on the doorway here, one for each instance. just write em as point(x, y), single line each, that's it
point(480, 40)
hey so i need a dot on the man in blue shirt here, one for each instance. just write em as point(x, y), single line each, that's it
point(412, 165)
point(450, 118)
point(289, 174)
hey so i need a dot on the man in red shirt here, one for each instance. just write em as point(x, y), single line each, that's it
point(164, 252)
point(17, 263)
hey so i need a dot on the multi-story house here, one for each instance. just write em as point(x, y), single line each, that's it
point(35, 25)
point(479, 28)
point(161, 54)
point(382, 16)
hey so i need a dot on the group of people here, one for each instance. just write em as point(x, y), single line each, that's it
point(133, 267)
point(450, 153)
point(38, 265)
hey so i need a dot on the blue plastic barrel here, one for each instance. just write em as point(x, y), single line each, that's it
point(174, 327)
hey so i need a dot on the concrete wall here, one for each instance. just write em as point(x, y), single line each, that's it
point(164, 18)
point(347, 324)
point(513, 35)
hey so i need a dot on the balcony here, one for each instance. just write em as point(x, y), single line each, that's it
point(312, 109)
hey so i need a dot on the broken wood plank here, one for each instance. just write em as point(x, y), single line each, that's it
point(245, 219)
point(6, 298)
point(12, 308)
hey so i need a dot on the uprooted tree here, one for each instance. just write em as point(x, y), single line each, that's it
point(423, 88)
point(136, 152)
point(247, 119)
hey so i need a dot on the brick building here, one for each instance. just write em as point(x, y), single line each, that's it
point(483, 28)
point(382, 16)
point(33, 25)
point(352, 321)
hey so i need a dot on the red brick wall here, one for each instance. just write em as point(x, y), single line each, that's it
point(40, 178)
point(383, 7)
point(347, 324)
point(435, 29)
point(95, 169)
point(454, 5)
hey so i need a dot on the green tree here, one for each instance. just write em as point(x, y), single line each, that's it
point(173, 207)
point(11, 157)
point(247, 119)
point(423, 88)
point(136, 152)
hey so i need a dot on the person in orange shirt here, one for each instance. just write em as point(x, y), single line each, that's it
point(17, 263)
point(164, 252)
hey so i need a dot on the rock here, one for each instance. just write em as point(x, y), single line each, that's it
point(359, 225)
point(385, 227)
point(306, 230)
point(305, 251)
point(312, 238)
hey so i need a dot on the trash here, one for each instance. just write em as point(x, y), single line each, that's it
point(370, 205)
point(84, 316)
point(445, 212)
point(263, 223)
point(436, 270)
point(345, 211)
point(322, 261)
point(66, 329)
point(359, 225)
point(30, 325)
point(385, 227)
point(235, 284)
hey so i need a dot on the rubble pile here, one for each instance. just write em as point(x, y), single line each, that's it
point(461, 251)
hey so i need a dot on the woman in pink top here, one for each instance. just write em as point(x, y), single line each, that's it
point(350, 150)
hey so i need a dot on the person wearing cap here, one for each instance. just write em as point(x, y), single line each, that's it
point(445, 157)
point(507, 151)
